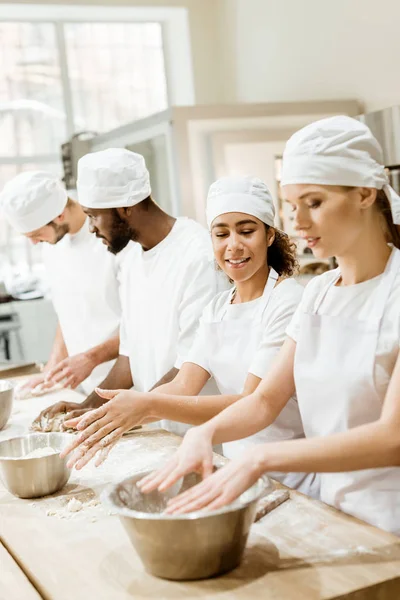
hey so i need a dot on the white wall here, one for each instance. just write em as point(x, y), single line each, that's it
point(288, 50)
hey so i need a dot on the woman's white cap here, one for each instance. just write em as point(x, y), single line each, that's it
point(247, 195)
point(32, 199)
point(112, 178)
point(337, 151)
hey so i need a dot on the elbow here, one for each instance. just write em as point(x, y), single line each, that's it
point(390, 439)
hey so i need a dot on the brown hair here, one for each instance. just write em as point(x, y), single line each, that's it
point(282, 254)
point(392, 230)
point(383, 205)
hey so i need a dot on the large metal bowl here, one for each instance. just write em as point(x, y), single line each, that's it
point(6, 401)
point(33, 477)
point(191, 546)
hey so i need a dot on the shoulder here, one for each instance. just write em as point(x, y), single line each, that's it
point(316, 285)
point(288, 291)
point(285, 299)
point(193, 232)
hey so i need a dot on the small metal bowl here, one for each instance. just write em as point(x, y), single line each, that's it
point(6, 401)
point(196, 545)
point(33, 477)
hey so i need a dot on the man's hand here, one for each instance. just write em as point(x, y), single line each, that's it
point(72, 370)
point(72, 409)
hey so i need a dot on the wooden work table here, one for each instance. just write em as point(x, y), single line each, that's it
point(302, 550)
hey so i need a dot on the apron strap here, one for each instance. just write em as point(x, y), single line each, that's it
point(382, 292)
point(269, 286)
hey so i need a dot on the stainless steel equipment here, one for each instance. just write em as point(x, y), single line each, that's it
point(385, 125)
point(33, 477)
point(192, 546)
point(6, 401)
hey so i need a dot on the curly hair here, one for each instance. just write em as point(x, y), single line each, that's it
point(282, 254)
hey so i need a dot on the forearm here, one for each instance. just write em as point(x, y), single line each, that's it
point(166, 379)
point(119, 377)
point(369, 446)
point(58, 351)
point(106, 351)
point(193, 410)
point(241, 419)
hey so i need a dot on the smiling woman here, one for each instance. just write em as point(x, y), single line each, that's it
point(239, 335)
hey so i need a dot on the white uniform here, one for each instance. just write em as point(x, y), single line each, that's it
point(237, 339)
point(347, 345)
point(82, 276)
point(163, 292)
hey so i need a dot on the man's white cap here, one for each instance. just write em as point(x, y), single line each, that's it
point(236, 193)
point(32, 199)
point(337, 151)
point(112, 178)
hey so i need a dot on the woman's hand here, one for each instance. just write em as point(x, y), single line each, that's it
point(194, 455)
point(222, 488)
point(103, 427)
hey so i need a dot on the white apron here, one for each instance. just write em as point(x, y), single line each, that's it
point(334, 376)
point(232, 345)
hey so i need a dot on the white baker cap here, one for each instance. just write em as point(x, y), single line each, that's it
point(112, 178)
point(236, 193)
point(337, 151)
point(32, 199)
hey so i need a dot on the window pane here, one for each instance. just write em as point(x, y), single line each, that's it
point(32, 116)
point(116, 71)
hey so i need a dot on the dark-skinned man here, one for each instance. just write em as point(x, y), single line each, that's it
point(167, 279)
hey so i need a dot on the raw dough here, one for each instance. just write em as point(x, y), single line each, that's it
point(74, 505)
point(51, 424)
point(24, 394)
point(40, 452)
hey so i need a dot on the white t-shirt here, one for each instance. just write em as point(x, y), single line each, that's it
point(284, 300)
point(355, 301)
point(163, 293)
point(83, 280)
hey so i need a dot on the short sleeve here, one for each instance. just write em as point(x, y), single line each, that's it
point(293, 328)
point(200, 289)
point(198, 353)
point(274, 333)
point(123, 339)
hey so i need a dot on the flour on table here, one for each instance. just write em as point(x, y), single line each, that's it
point(74, 505)
point(39, 390)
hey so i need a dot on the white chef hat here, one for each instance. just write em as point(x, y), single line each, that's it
point(112, 178)
point(236, 193)
point(32, 199)
point(337, 151)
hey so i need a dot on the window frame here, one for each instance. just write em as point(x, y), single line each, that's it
point(175, 33)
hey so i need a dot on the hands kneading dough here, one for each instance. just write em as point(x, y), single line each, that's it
point(50, 424)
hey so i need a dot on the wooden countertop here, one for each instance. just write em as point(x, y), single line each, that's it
point(14, 584)
point(302, 550)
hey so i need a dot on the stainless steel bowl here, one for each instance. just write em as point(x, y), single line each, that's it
point(33, 477)
point(192, 546)
point(6, 401)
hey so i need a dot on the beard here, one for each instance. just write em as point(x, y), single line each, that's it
point(60, 231)
point(120, 234)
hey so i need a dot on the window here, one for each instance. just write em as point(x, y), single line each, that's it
point(58, 78)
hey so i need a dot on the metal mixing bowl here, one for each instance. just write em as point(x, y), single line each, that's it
point(33, 477)
point(192, 546)
point(6, 401)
